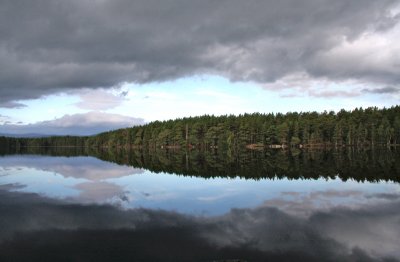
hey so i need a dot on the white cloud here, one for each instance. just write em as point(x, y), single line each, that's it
point(78, 124)
point(371, 58)
point(3, 118)
point(301, 84)
point(100, 99)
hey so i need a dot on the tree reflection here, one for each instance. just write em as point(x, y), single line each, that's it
point(359, 165)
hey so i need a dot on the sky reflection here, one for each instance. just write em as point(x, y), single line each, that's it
point(53, 229)
point(59, 208)
point(90, 180)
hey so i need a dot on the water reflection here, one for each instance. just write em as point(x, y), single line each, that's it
point(52, 229)
point(360, 165)
point(90, 180)
point(75, 178)
point(88, 168)
point(81, 207)
point(380, 164)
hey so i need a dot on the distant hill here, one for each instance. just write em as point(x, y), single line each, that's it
point(29, 135)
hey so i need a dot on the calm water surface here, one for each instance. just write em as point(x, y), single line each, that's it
point(335, 206)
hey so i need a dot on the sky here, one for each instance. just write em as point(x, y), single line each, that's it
point(80, 67)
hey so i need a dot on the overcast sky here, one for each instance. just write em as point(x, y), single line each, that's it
point(85, 66)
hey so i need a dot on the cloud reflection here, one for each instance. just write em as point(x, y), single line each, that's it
point(57, 230)
point(304, 203)
point(94, 173)
point(90, 180)
point(89, 168)
point(101, 192)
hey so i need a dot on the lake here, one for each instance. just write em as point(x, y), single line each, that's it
point(74, 204)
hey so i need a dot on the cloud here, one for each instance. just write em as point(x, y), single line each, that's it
point(298, 85)
point(329, 94)
point(100, 99)
point(41, 225)
point(11, 104)
point(383, 90)
point(3, 118)
point(49, 46)
point(124, 93)
point(385, 196)
point(78, 124)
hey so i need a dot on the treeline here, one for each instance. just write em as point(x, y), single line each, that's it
point(55, 141)
point(360, 127)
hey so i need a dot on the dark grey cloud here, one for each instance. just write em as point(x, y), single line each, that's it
point(383, 90)
point(124, 93)
point(78, 124)
point(11, 104)
point(52, 228)
point(47, 46)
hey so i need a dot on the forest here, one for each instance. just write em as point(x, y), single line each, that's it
point(368, 127)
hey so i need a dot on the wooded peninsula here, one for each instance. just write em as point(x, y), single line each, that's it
point(359, 128)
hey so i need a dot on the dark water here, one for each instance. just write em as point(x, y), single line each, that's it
point(75, 205)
